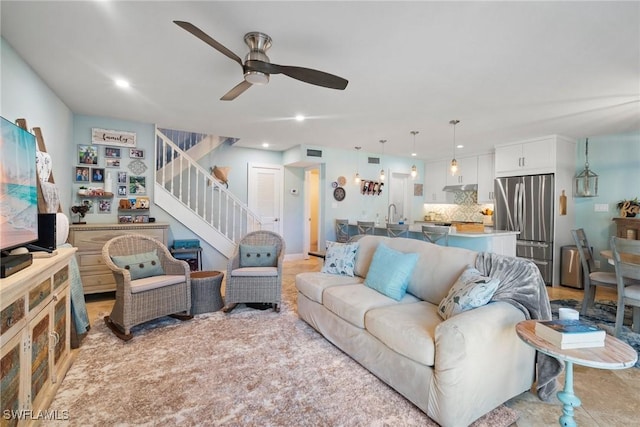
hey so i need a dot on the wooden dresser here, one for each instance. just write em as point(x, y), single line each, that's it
point(628, 228)
point(90, 238)
point(36, 328)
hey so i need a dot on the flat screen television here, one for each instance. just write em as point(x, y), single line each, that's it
point(18, 187)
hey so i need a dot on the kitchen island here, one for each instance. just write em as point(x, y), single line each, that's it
point(500, 242)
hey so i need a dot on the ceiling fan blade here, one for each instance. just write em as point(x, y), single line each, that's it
point(208, 40)
point(236, 91)
point(307, 75)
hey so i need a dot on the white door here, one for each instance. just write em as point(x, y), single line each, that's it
point(311, 239)
point(264, 196)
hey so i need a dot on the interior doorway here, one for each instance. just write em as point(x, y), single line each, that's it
point(313, 241)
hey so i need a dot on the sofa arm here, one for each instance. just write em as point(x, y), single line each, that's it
point(479, 363)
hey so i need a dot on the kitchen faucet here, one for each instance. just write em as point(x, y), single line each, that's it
point(395, 211)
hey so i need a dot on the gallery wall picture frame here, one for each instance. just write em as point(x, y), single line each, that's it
point(104, 206)
point(112, 163)
point(122, 177)
point(122, 190)
point(417, 190)
point(118, 138)
point(137, 185)
point(82, 174)
point(89, 204)
point(87, 154)
point(97, 174)
point(112, 152)
point(136, 153)
point(124, 219)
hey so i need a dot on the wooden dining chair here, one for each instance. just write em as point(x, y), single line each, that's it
point(591, 277)
point(398, 230)
point(342, 230)
point(434, 233)
point(366, 227)
point(626, 259)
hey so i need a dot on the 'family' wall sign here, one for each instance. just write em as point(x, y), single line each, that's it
point(113, 137)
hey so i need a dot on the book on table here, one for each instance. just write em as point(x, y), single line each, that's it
point(570, 333)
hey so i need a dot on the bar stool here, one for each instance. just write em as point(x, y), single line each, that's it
point(433, 233)
point(398, 230)
point(366, 227)
point(342, 230)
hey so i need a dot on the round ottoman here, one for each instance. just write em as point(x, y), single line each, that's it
point(205, 291)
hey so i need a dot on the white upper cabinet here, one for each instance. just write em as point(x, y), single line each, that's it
point(467, 172)
point(527, 157)
point(486, 177)
point(434, 182)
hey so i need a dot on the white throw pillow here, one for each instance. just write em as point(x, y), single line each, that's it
point(340, 258)
point(471, 290)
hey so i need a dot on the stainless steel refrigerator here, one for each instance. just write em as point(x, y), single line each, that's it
point(525, 204)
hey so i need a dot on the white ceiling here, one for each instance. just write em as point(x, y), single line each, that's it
point(506, 70)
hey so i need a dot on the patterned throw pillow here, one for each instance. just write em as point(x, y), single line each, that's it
point(340, 258)
point(142, 265)
point(390, 271)
point(471, 290)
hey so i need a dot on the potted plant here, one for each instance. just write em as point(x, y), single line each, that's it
point(629, 208)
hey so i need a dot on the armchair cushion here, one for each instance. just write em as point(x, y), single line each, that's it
point(258, 256)
point(154, 282)
point(471, 290)
point(146, 264)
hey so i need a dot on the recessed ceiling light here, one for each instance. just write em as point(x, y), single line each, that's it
point(265, 144)
point(122, 83)
point(300, 118)
point(414, 154)
point(459, 146)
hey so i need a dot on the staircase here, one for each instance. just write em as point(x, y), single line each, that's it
point(190, 194)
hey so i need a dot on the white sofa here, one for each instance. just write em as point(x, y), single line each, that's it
point(455, 370)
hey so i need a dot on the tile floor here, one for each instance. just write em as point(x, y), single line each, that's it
point(609, 398)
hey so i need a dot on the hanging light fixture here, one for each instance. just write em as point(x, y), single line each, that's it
point(454, 162)
point(586, 182)
point(356, 179)
point(382, 141)
point(414, 169)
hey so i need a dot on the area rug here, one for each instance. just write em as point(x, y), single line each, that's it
point(246, 368)
point(603, 315)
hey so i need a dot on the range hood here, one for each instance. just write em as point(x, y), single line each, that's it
point(462, 187)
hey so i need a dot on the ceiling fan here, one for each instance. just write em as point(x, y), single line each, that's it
point(257, 67)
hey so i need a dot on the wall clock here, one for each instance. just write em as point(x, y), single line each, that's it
point(339, 194)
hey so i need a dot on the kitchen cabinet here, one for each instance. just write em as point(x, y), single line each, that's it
point(486, 177)
point(90, 238)
point(467, 172)
point(535, 156)
point(36, 328)
point(435, 178)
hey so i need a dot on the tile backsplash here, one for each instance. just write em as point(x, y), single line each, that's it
point(465, 208)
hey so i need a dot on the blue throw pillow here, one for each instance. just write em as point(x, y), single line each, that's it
point(142, 265)
point(390, 271)
point(258, 256)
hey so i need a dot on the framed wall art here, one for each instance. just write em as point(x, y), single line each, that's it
point(112, 163)
point(97, 175)
point(113, 137)
point(112, 152)
point(82, 174)
point(87, 155)
point(137, 185)
point(136, 153)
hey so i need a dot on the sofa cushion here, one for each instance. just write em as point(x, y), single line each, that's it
point(351, 302)
point(437, 269)
point(408, 329)
point(313, 284)
point(340, 258)
point(471, 290)
point(258, 256)
point(146, 264)
point(390, 271)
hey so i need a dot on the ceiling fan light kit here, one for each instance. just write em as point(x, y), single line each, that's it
point(257, 67)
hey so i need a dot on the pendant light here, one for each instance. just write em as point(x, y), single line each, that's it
point(414, 169)
point(454, 162)
point(586, 182)
point(382, 141)
point(357, 179)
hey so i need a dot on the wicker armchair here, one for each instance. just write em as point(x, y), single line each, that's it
point(255, 284)
point(145, 298)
